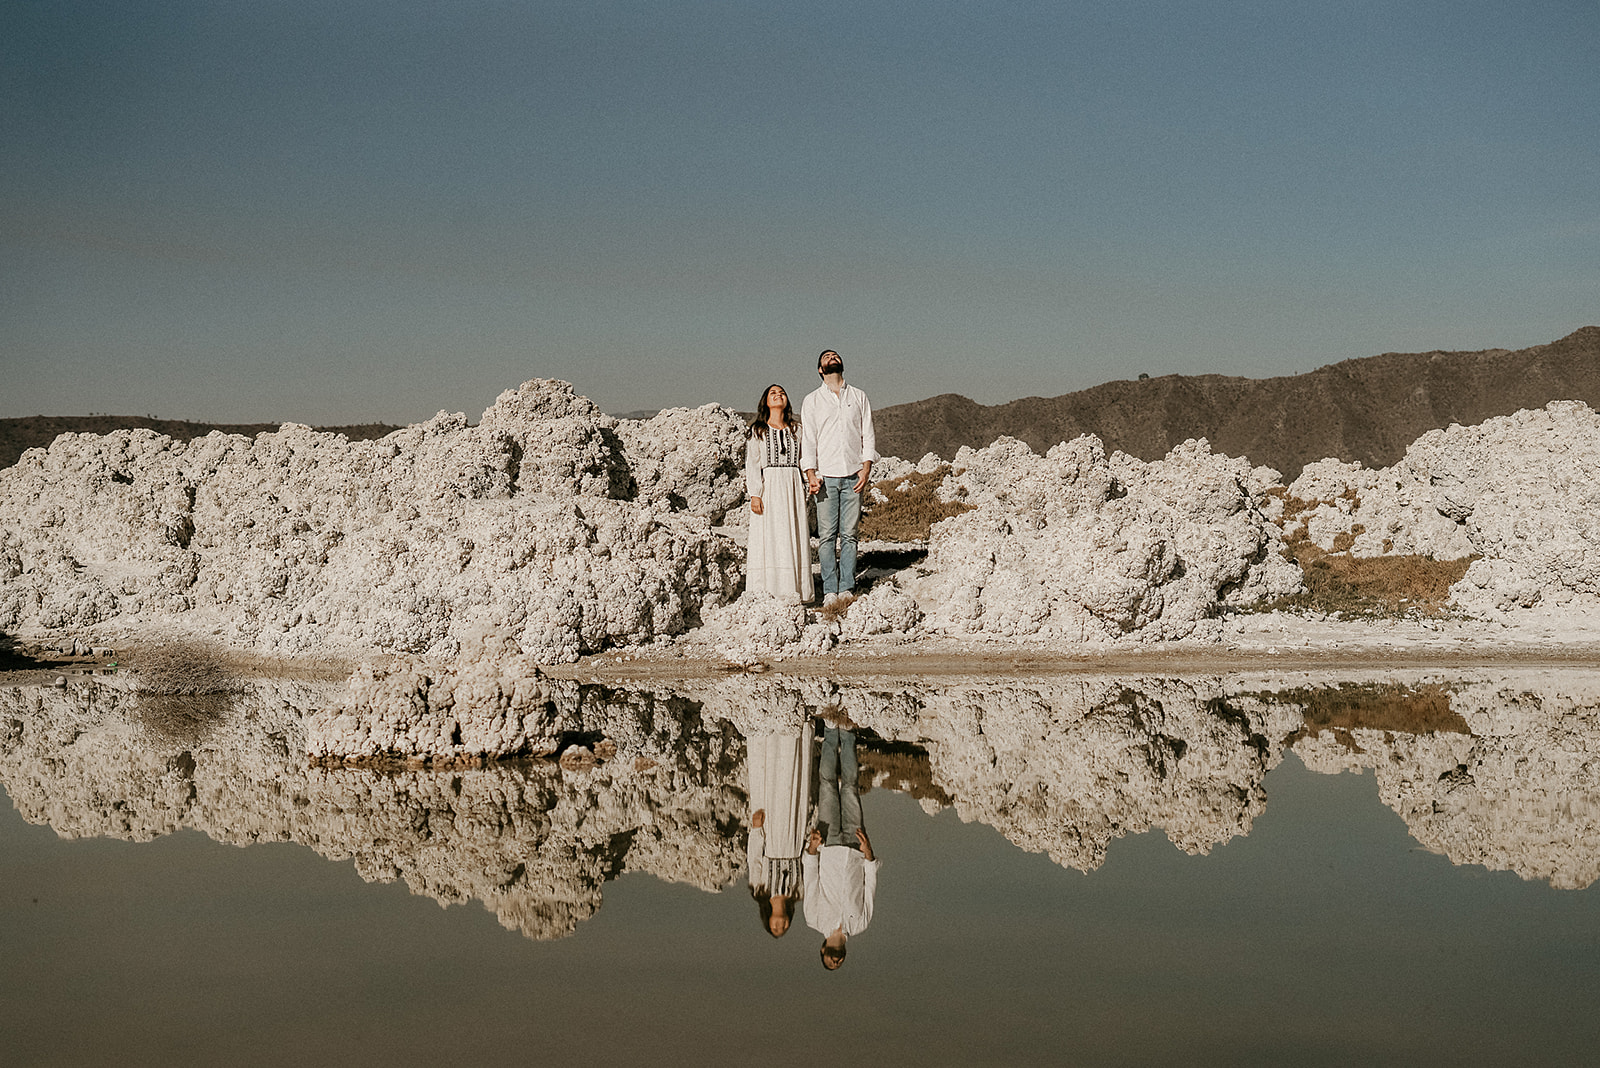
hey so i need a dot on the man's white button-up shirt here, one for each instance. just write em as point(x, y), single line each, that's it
point(836, 435)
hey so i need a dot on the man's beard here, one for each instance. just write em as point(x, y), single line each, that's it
point(832, 369)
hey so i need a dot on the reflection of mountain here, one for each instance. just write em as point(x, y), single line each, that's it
point(1504, 774)
point(533, 842)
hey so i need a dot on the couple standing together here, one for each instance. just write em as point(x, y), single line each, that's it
point(833, 445)
point(829, 869)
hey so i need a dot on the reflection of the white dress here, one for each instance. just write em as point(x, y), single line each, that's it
point(1501, 771)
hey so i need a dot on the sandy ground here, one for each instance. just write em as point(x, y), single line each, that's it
point(1273, 641)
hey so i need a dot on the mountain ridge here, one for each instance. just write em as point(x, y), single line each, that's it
point(1367, 409)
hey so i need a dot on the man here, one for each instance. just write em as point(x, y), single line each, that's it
point(837, 448)
point(839, 869)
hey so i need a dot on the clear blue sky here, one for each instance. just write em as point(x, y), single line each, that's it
point(346, 211)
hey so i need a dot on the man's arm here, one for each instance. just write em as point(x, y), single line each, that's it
point(808, 441)
point(869, 445)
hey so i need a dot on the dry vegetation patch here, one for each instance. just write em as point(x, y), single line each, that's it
point(912, 507)
point(901, 768)
point(1383, 706)
point(1377, 587)
point(183, 669)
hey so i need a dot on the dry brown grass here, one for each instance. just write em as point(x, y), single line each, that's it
point(904, 770)
point(183, 669)
point(832, 613)
point(913, 506)
point(1385, 706)
point(182, 719)
point(1369, 587)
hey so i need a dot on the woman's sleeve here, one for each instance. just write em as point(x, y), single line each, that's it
point(752, 465)
point(755, 858)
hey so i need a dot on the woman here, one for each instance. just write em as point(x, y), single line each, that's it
point(779, 767)
point(779, 557)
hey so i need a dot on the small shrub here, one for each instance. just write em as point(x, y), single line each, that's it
point(183, 669)
point(182, 719)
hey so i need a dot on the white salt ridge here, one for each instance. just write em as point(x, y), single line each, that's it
point(1520, 491)
point(549, 519)
point(571, 532)
point(1076, 547)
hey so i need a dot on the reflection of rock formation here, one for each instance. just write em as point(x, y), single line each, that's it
point(1063, 767)
point(1520, 793)
point(534, 842)
point(1505, 774)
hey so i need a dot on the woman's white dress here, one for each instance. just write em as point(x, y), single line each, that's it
point(778, 560)
point(779, 765)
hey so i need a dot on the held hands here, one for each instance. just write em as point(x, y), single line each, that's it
point(813, 841)
point(813, 483)
point(755, 505)
point(863, 841)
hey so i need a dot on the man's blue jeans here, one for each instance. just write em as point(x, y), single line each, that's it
point(838, 518)
point(838, 788)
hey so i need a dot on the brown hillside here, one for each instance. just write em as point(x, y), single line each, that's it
point(38, 431)
point(1366, 409)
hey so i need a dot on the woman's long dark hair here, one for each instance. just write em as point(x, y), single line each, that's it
point(758, 426)
point(763, 900)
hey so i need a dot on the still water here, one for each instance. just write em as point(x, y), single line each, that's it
point(1084, 870)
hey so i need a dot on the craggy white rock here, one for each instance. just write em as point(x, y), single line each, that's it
point(759, 627)
point(1075, 547)
point(884, 609)
point(1522, 492)
point(689, 458)
point(300, 541)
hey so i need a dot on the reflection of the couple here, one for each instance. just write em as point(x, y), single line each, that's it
point(828, 864)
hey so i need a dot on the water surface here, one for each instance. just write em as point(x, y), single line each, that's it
point(1096, 871)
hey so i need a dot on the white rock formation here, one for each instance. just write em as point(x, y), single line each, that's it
point(758, 628)
point(1520, 491)
point(884, 609)
point(537, 521)
point(1074, 547)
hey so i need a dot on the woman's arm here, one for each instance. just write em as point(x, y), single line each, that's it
point(753, 471)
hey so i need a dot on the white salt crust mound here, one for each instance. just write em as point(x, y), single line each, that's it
point(759, 627)
point(1072, 546)
point(549, 519)
point(1520, 491)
